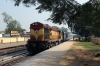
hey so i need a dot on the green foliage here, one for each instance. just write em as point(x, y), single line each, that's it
point(12, 25)
point(82, 19)
point(60, 10)
point(89, 46)
point(86, 21)
point(6, 18)
point(64, 29)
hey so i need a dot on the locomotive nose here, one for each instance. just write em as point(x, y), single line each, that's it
point(37, 34)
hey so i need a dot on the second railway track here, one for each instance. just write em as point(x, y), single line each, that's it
point(8, 59)
point(7, 50)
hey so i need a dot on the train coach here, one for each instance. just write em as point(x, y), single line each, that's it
point(43, 37)
point(64, 36)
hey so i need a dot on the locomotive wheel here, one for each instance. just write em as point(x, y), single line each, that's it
point(55, 43)
point(47, 46)
point(59, 42)
point(50, 45)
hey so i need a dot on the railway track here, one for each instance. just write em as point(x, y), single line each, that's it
point(7, 50)
point(12, 57)
point(16, 54)
point(9, 59)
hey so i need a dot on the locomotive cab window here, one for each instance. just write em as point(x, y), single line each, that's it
point(36, 24)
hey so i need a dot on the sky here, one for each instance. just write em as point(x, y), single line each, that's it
point(25, 15)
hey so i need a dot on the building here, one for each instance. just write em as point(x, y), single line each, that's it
point(2, 32)
point(0, 35)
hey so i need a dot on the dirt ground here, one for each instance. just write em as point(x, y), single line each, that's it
point(79, 56)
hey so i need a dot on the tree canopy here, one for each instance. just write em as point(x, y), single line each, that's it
point(86, 22)
point(12, 25)
point(60, 10)
point(6, 18)
point(82, 19)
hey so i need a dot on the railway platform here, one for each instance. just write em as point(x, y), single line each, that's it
point(55, 56)
point(5, 45)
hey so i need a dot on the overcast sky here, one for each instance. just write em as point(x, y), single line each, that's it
point(25, 15)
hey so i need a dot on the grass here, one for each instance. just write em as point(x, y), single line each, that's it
point(89, 46)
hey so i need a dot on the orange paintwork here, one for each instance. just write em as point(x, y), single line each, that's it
point(55, 35)
point(41, 37)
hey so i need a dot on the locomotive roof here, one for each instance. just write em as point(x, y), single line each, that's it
point(46, 26)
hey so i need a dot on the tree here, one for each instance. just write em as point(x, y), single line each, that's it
point(61, 9)
point(84, 18)
point(14, 25)
point(86, 22)
point(91, 17)
point(81, 21)
point(6, 18)
point(64, 29)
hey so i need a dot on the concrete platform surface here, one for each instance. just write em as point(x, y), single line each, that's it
point(55, 56)
point(11, 44)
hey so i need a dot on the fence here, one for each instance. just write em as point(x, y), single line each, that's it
point(12, 39)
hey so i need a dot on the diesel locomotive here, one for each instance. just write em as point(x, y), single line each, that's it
point(43, 36)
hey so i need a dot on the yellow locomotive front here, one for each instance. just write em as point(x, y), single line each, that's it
point(36, 31)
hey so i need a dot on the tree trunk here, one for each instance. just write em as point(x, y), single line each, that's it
point(86, 38)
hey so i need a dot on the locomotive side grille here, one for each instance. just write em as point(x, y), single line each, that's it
point(46, 33)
